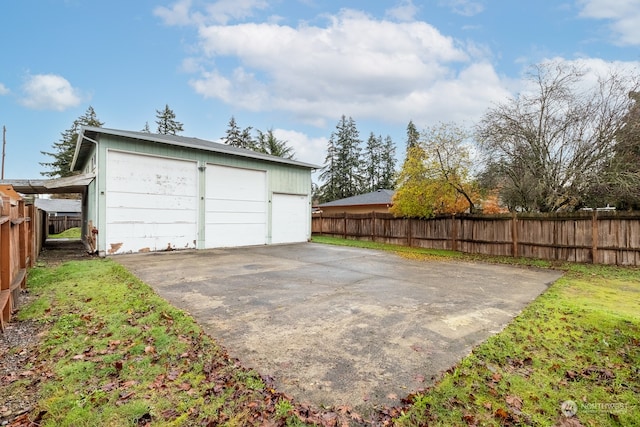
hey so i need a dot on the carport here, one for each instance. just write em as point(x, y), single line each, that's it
point(337, 325)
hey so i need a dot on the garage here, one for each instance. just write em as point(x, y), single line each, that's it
point(153, 192)
point(289, 212)
point(151, 203)
point(236, 207)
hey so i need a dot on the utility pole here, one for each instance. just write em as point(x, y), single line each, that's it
point(4, 144)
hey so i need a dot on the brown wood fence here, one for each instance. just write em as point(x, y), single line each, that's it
point(58, 224)
point(20, 243)
point(588, 237)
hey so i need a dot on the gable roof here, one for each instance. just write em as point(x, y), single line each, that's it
point(89, 135)
point(58, 205)
point(378, 197)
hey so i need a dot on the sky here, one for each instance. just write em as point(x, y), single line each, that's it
point(294, 66)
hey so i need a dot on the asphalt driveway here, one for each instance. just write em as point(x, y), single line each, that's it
point(336, 325)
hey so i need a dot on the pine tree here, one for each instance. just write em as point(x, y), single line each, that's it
point(342, 172)
point(64, 149)
point(167, 123)
point(413, 136)
point(329, 175)
point(387, 165)
point(238, 138)
point(146, 128)
point(232, 134)
point(267, 143)
point(372, 156)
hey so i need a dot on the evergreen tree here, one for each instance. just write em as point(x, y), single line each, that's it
point(342, 171)
point(167, 123)
point(387, 171)
point(246, 140)
point(146, 128)
point(238, 138)
point(232, 134)
point(330, 174)
point(64, 149)
point(413, 136)
point(267, 143)
point(372, 163)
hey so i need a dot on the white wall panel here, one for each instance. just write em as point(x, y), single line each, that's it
point(151, 203)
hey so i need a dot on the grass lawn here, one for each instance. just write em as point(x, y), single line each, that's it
point(116, 354)
point(71, 233)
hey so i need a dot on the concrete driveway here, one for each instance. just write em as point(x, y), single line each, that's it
point(336, 325)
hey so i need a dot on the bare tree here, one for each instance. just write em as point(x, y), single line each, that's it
point(547, 147)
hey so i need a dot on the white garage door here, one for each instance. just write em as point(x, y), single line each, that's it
point(152, 203)
point(290, 218)
point(236, 207)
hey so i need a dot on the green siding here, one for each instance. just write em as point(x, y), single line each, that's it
point(281, 178)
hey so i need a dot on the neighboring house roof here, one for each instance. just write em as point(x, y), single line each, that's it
point(378, 197)
point(88, 135)
point(58, 205)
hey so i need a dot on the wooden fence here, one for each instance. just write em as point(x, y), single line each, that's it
point(20, 244)
point(588, 237)
point(58, 224)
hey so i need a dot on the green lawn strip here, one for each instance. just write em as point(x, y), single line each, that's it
point(117, 354)
point(71, 233)
point(579, 342)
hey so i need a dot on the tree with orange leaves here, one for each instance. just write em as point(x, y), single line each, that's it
point(435, 178)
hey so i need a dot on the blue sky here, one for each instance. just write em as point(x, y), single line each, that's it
point(292, 65)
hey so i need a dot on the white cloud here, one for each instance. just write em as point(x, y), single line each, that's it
point(49, 92)
point(178, 14)
point(355, 65)
point(3, 90)
point(310, 150)
point(219, 12)
point(404, 11)
point(464, 7)
point(624, 17)
point(223, 11)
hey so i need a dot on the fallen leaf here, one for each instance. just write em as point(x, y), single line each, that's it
point(514, 402)
point(109, 387)
point(126, 395)
point(496, 377)
point(501, 413)
point(487, 405)
point(149, 349)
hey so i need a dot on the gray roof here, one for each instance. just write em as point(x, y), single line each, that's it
point(378, 197)
point(58, 205)
point(90, 134)
point(69, 184)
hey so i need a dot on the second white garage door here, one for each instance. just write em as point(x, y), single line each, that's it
point(236, 207)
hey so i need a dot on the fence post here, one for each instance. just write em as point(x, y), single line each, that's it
point(345, 226)
point(409, 226)
point(373, 226)
point(594, 236)
point(514, 234)
point(454, 233)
